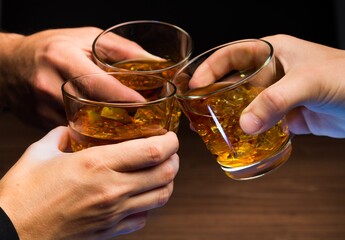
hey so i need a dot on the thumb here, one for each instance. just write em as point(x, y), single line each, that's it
point(53, 143)
point(273, 103)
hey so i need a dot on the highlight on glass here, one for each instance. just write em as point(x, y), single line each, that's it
point(164, 49)
point(113, 107)
point(214, 88)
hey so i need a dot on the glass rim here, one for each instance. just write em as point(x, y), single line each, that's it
point(185, 59)
point(67, 94)
point(232, 85)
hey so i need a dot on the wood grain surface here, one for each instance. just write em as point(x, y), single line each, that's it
point(302, 200)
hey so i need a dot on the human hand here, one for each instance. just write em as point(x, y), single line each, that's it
point(115, 48)
point(96, 193)
point(35, 66)
point(311, 93)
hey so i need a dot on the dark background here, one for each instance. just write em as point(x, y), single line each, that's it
point(209, 22)
point(302, 200)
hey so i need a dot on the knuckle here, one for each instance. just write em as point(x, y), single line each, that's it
point(106, 197)
point(175, 141)
point(41, 83)
point(168, 172)
point(164, 195)
point(52, 48)
point(274, 99)
point(92, 164)
point(156, 152)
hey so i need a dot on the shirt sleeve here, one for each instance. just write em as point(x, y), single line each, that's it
point(7, 230)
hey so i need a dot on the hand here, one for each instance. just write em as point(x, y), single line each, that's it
point(96, 193)
point(115, 48)
point(35, 66)
point(311, 93)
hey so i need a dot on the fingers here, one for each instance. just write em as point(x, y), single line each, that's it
point(82, 57)
point(147, 189)
point(140, 190)
point(127, 225)
point(137, 154)
point(143, 168)
point(138, 166)
point(155, 198)
point(131, 223)
point(133, 209)
point(276, 101)
point(155, 178)
point(54, 141)
point(53, 144)
point(115, 48)
point(126, 193)
point(222, 61)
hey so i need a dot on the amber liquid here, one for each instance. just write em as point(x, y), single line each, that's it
point(145, 65)
point(94, 126)
point(222, 133)
point(98, 125)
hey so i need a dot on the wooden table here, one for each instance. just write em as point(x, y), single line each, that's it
point(302, 200)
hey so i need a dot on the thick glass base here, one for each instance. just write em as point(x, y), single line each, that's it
point(261, 168)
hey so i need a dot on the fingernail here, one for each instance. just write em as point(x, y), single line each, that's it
point(250, 123)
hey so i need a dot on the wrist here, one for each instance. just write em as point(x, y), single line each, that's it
point(9, 43)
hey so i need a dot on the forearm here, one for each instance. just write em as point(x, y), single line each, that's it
point(8, 42)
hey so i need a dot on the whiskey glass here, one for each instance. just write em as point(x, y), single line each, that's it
point(169, 47)
point(214, 88)
point(113, 107)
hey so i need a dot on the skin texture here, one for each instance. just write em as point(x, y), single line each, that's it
point(97, 193)
point(34, 67)
point(310, 90)
point(310, 93)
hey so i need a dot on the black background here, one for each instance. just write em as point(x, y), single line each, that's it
point(209, 22)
